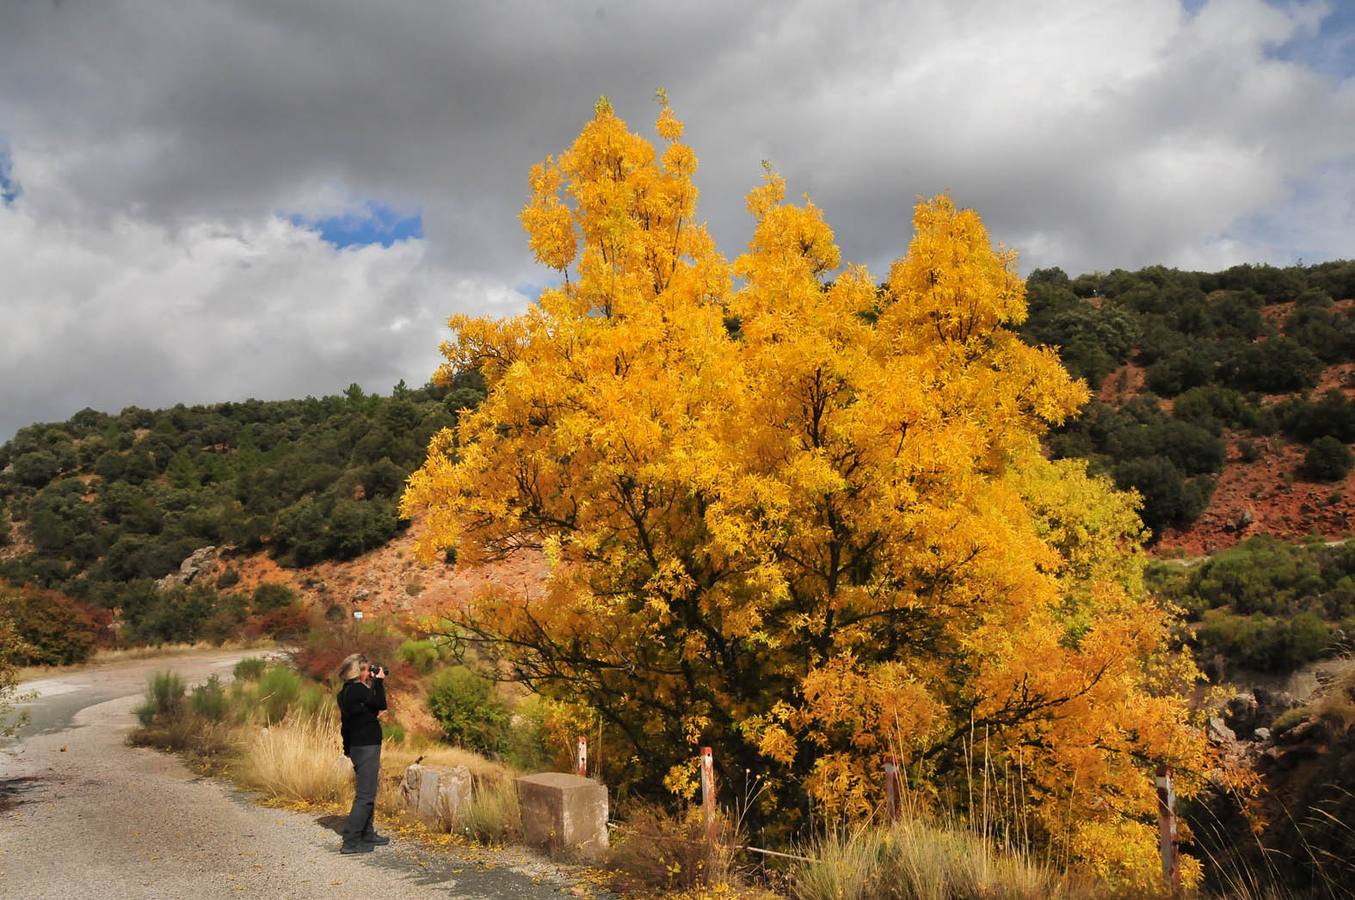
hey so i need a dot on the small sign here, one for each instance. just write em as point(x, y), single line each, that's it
point(357, 614)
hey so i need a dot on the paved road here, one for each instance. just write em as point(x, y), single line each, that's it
point(82, 815)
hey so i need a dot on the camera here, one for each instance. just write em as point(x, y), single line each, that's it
point(375, 667)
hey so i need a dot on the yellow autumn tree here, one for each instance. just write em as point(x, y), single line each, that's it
point(805, 521)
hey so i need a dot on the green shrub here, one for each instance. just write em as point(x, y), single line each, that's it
point(525, 746)
point(465, 706)
point(177, 615)
point(1213, 407)
point(251, 668)
point(270, 596)
point(1168, 497)
point(1277, 365)
point(1327, 460)
point(164, 698)
point(422, 656)
point(279, 690)
point(209, 700)
point(1259, 575)
point(1262, 643)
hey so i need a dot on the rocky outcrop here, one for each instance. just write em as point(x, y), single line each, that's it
point(198, 563)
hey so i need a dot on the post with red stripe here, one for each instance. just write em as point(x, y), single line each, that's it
point(893, 789)
point(581, 757)
point(708, 793)
point(1166, 831)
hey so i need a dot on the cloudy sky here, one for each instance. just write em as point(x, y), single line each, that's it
point(205, 200)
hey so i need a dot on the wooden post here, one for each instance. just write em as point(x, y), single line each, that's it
point(893, 789)
point(1166, 831)
point(708, 793)
point(581, 757)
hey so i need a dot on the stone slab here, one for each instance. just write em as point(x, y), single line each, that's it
point(438, 795)
point(563, 812)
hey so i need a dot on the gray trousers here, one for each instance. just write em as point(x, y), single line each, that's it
point(366, 765)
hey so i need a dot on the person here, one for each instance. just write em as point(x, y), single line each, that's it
point(361, 700)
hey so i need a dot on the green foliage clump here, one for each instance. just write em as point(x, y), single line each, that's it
point(1264, 604)
point(1266, 644)
point(209, 700)
point(1331, 415)
point(1167, 460)
point(470, 714)
point(1214, 408)
point(1272, 367)
point(270, 596)
point(1169, 498)
point(164, 698)
point(423, 656)
point(1093, 341)
point(251, 668)
point(280, 689)
point(1327, 460)
point(176, 615)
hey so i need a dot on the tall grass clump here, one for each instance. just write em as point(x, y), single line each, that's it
point(209, 700)
point(297, 761)
point(916, 859)
point(164, 698)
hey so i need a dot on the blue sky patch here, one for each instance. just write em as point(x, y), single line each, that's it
point(1331, 50)
point(9, 188)
point(372, 223)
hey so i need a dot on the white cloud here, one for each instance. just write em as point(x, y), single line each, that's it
point(132, 313)
point(155, 149)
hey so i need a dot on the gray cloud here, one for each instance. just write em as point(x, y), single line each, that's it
point(151, 139)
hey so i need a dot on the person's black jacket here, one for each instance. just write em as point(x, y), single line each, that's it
point(358, 706)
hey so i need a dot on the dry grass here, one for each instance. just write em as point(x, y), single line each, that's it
point(655, 849)
point(298, 760)
point(493, 814)
point(1336, 701)
point(917, 859)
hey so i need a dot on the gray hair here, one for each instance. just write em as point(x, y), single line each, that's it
point(351, 667)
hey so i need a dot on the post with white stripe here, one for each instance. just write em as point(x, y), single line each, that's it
point(581, 757)
point(1166, 831)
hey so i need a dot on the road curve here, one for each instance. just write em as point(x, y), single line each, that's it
point(82, 815)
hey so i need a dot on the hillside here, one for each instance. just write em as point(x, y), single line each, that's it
point(103, 507)
point(1213, 393)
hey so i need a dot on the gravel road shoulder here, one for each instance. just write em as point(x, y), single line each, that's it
point(82, 815)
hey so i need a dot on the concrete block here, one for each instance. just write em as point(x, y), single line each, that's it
point(562, 811)
point(439, 795)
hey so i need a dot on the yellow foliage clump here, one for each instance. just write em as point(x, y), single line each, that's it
point(806, 520)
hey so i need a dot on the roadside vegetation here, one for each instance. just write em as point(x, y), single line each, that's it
point(1264, 605)
point(273, 727)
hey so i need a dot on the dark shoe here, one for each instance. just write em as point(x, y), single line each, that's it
point(375, 839)
point(355, 847)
